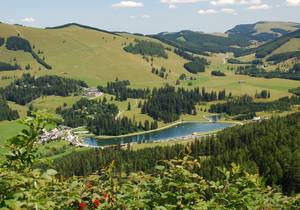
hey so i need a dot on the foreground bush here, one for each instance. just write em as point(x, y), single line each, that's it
point(173, 185)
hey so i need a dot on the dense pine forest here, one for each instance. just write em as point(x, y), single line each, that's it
point(146, 48)
point(196, 65)
point(8, 66)
point(218, 73)
point(122, 92)
point(2, 41)
point(28, 88)
point(255, 71)
point(278, 58)
point(295, 91)
point(245, 105)
point(167, 104)
point(6, 113)
point(101, 118)
point(270, 148)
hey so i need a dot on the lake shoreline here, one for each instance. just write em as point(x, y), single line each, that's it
point(157, 130)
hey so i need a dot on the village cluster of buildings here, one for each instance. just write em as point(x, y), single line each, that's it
point(92, 92)
point(62, 132)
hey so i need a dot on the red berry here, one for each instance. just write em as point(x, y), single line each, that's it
point(82, 205)
point(97, 202)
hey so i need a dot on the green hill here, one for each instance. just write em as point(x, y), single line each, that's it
point(263, 31)
point(281, 44)
point(86, 53)
point(202, 43)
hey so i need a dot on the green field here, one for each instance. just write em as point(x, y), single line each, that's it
point(292, 45)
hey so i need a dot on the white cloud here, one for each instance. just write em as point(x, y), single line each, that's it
point(139, 16)
point(259, 7)
point(128, 4)
point(207, 12)
point(235, 2)
point(293, 2)
point(172, 6)
point(180, 1)
point(228, 10)
point(145, 16)
point(28, 20)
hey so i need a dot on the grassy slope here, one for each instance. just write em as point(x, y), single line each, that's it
point(93, 56)
point(265, 27)
point(292, 45)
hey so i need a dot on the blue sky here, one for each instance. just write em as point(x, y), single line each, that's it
point(149, 16)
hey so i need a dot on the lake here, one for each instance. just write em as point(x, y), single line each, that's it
point(176, 132)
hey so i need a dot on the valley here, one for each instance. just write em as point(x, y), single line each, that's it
point(126, 107)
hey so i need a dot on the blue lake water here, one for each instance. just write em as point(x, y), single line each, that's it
point(175, 132)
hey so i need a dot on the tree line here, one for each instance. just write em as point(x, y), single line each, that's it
point(2, 41)
point(8, 67)
point(17, 43)
point(295, 91)
point(167, 103)
point(196, 65)
point(28, 88)
point(280, 57)
point(270, 148)
point(122, 92)
point(218, 73)
point(102, 118)
point(147, 48)
point(254, 71)
point(6, 113)
point(245, 105)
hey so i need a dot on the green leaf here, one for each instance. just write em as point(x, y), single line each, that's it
point(51, 172)
point(160, 168)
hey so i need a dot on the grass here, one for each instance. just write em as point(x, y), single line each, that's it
point(267, 26)
point(8, 129)
point(292, 45)
point(50, 103)
point(241, 84)
point(92, 56)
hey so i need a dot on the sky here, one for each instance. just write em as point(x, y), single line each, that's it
point(149, 16)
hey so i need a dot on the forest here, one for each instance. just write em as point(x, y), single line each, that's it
point(8, 67)
point(101, 118)
point(122, 92)
point(265, 49)
point(245, 105)
point(201, 43)
point(6, 113)
point(254, 71)
point(2, 41)
point(236, 61)
point(196, 65)
point(147, 48)
point(278, 58)
point(218, 73)
point(28, 88)
point(184, 54)
point(270, 148)
point(17, 43)
point(249, 31)
point(167, 104)
point(295, 91)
